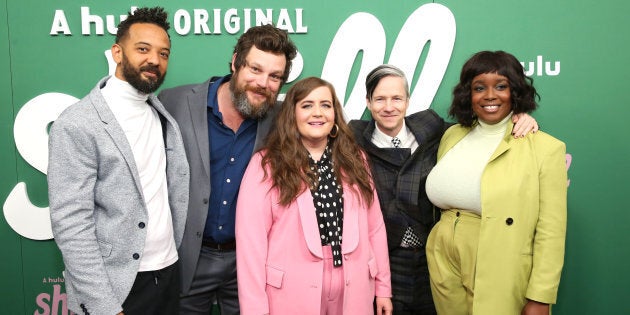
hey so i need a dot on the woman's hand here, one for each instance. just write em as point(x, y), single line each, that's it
point(384, 306)
point(535, 308)
point(523, 124)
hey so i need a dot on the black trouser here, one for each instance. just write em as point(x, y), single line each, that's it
point(154, 292)
point(410, 282)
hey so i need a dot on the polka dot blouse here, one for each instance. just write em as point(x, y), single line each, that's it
point(328, 199)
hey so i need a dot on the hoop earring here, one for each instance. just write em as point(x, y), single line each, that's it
point(335, 133)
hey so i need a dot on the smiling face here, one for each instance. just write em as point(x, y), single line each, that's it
point(491, 98)
point(256, 84)
point(389, 104)
point(142, 56)
point(315, 117)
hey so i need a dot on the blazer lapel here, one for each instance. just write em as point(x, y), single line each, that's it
point(504, 145)
point(453, 138)
point(351, 208)
point(308, 219)
point(113, 128)
point(264, 125)
point(197, 104)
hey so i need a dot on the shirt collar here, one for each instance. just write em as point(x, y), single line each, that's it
point(382, 140)
point(213, 93)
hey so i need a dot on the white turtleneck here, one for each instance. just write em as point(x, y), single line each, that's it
point(455, 182)
point(143, 130)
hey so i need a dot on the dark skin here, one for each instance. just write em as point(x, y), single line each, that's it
point(535, 308)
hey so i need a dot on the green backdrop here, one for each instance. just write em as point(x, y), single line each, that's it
point(576, 50)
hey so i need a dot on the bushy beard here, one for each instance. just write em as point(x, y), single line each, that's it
point(134, 76)
point(244, 106)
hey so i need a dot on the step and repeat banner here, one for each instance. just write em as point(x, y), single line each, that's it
point(53, 52)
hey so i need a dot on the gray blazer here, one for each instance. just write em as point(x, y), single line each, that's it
point(188, 104)
point(96, 201)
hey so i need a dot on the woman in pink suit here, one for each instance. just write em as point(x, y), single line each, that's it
point(309, 231)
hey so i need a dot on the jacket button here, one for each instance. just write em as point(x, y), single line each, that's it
point(141, 225)
point(509, 221)
point(457, 214)
point(136, 256)
point(205, 201)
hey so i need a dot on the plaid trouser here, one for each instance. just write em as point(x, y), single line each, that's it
point(410, 282)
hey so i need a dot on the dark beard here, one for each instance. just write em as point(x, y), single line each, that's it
point(134, 76)
point(242, 104)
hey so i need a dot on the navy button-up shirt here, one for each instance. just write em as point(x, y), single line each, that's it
point(229, 155)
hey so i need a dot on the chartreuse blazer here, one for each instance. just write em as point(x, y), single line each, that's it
point(523, 221)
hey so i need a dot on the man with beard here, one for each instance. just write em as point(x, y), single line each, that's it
point(224, 120)
point(118, 182)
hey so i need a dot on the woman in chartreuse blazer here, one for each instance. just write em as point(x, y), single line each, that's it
point(310, 237)
point(499, 245)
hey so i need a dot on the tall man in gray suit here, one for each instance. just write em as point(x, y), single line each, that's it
point(224, 120)
point(118, 182)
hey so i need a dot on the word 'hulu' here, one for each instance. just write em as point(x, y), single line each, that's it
point(536, 67)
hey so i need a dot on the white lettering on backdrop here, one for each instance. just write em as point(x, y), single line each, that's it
point(361, 32)
point(431, 23)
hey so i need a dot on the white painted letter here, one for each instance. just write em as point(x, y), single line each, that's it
point(360, 33)
point(87, 18)
point(431, 22)
point(299, 27)
point(182, 22)
point(201, 21)
point(263, 18)
point(284, 21)
point(231, 21)
point(60, 24)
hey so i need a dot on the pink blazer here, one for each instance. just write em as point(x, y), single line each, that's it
point(279, 252)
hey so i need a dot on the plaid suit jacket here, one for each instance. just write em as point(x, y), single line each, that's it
point(400, 176)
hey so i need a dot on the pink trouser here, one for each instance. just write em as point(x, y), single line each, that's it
point(332, 287)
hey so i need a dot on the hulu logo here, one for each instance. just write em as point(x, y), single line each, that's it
point(536, 67)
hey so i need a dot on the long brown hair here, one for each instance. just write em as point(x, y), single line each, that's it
point(288, 160)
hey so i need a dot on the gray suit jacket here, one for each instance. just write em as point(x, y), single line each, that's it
point(97, 205)
point(188, 104)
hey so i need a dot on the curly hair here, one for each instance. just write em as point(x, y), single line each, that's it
point(523, 95)
point(155, 15)
point(287, 157)
point(267, 38)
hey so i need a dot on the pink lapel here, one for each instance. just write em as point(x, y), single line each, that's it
point(350, 221)
point(351, 208)
point(306, 209)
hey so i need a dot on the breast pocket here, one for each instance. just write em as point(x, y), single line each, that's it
point(106, 248)
point(274, 277)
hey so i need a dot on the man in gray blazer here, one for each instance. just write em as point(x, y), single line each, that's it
point(118, 182)
point(224, 120)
